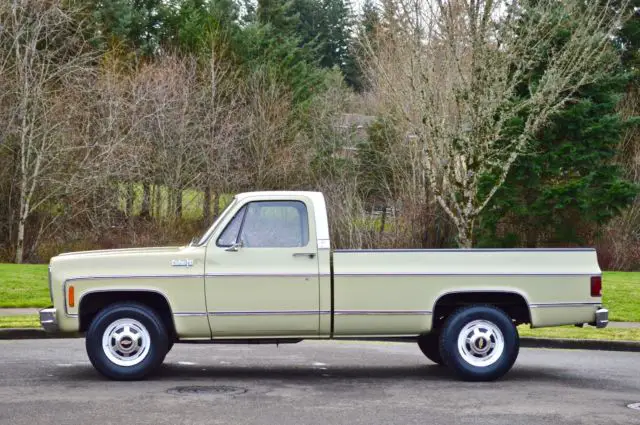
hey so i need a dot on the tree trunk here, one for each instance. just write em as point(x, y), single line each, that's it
point(531, 235)
point(383, 219)
point(465, 233)
point(130, 196)
point(178, 195)
point(145, 210)
point(22, 219)
point(158, 201)
point(20, 242)
point(216, 205)
point(206, 207)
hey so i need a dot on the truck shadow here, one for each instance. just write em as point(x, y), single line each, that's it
point(371, 374)
point(309, 376)
point(344, 378)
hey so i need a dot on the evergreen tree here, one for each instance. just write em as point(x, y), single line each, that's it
point(335, 33)
point(367, 34)
point(138, 24)
point(571, 182)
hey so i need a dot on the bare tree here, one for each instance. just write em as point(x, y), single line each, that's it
point(460, 77)
point(41, 50)
point(221, 113)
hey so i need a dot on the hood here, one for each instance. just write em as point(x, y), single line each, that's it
point(129, 262)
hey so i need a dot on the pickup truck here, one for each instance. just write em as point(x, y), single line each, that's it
point(264, 272)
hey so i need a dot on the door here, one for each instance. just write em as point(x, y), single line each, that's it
point(261, 272)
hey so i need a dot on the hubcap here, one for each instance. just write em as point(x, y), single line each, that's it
point(481, 343)
point(126, 342)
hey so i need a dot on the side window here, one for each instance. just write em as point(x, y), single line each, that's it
point(275, 224)
point(230, 233)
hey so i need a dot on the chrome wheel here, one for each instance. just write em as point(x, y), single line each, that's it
point(126, 342)
point(480, 343)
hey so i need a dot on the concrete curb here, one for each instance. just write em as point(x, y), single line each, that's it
point(32, 333)
point(581, 344)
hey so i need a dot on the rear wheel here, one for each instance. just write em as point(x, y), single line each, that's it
point(479, 343)
point(126, 341)
point(430, 346)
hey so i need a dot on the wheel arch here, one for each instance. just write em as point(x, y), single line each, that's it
point(94, 300)
point(513, 302)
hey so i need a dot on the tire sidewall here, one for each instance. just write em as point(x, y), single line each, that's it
point(149, 319)
point(449, 343)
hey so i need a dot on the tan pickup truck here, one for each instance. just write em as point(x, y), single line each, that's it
point(264, 273)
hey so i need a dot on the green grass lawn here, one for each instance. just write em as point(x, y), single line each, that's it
point(24, 285)
point(621, 295)
point(26, 321)
point(587, 332)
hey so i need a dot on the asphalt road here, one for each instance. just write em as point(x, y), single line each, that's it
point(51, 382)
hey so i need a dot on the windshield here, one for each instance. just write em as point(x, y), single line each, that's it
point(209, 231)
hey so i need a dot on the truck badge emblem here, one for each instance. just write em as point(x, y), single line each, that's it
point(181, 263)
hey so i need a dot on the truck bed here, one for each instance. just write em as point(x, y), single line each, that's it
point(393, 292)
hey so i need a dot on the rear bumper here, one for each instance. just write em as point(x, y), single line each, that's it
point(602, 318)
point(49, 319)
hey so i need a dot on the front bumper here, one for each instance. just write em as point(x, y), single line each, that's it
point(49, 319)
point(602, 318)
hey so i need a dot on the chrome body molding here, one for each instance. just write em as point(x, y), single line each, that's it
point(133, 276)
point(381, 312)
point(566, 304)
point(269, 313)
point(190, 314)
point(480, 250)
point(259, 274)
point(91, 291)
point(409, 274)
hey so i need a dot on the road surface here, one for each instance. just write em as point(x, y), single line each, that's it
point(51, 382)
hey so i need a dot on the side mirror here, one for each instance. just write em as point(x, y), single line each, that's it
point(234, 247)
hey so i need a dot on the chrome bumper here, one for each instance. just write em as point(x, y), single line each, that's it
point(602, 318)
point(49, 319)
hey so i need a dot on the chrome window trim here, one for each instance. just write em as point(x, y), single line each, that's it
point(205, 238)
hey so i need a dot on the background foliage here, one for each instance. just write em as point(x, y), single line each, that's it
point(166, 108)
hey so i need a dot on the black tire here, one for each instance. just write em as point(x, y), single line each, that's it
point(454, 358)
point(430, 346)
point(157, 346)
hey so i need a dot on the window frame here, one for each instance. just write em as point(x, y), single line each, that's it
point(304, 222)
point(243, 211)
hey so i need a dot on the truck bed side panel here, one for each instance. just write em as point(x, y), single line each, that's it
point(393, 292)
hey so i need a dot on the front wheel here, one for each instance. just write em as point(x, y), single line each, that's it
point(479, 343)
point(126, 341)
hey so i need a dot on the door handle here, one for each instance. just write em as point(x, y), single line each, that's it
point(311, 255)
